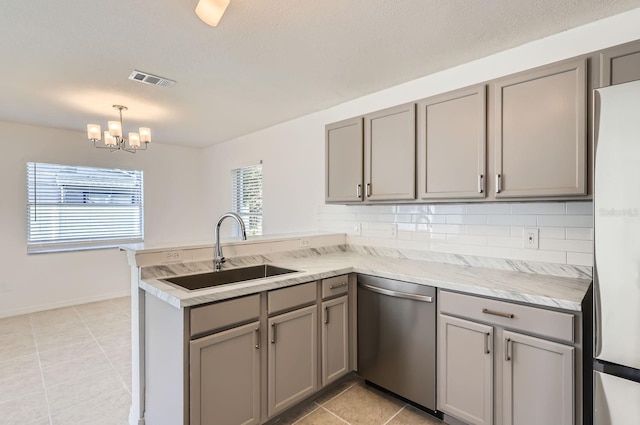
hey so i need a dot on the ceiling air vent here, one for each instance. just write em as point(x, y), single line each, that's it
point(154, 80)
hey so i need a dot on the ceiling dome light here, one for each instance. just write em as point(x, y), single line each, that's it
point(211, 11)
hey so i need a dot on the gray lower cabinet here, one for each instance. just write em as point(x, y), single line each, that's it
point(390, 154)
point(225, 377)
point(344, 161)
point(539, 132)
point(335, 339)
point(620, 64)
point(452, 145)
point(292, 372)
point(492, 371)
point(540, 370)
point(465, 378)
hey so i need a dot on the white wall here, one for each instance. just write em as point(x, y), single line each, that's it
point(293, 152)
point(173, 187)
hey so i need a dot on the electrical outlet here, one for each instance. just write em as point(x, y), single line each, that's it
point(394, 230)
point(357, 229)
point(305, 242)
point(172, 257)
point(530, 237)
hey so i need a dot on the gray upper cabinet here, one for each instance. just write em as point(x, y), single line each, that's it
point(390, 154)
point(225, 377)
point(535, 369)
point(540, 134)
point(344, 161)
point(293, 365)
point(620, 64)
point(452, 145)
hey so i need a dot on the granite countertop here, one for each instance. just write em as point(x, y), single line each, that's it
point(536, 289)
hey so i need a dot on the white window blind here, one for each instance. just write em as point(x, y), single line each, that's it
point(246, 194)
point(75, 207)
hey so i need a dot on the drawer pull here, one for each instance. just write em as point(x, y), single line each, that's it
point(498, 313)
point(338, 286)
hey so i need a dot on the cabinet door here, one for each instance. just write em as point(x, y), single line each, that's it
point(540, 132)
point(293, 366)
point(465, 370)
point(225, 377)
point(452, 144)
point(335, 339)
point(538, 381)
point(344, 161)
point(390, 154)
point(620, 64)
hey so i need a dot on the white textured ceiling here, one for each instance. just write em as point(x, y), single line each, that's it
point(65, 62)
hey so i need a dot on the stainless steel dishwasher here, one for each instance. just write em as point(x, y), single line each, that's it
point(397, 337)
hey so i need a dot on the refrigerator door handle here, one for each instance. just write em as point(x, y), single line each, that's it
point(597, 321)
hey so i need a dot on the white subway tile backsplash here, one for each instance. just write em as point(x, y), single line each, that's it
point(580, 233)
point(488, 230)
point(579, 259)
point(565, 220)
point(566, 245)
point(538, 208)
point(429, 218)
point(503, 208)
point(466, 219)
point(482, 229)
point(512, 220)
point(580, 208)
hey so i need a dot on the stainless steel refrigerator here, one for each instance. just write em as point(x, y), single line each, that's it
point(616, 369)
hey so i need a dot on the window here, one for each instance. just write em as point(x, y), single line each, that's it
point(246, 193)
point(73, 207)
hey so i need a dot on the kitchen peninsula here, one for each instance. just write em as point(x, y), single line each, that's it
point(163, 314)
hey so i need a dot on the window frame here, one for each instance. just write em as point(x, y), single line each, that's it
point(252, 218)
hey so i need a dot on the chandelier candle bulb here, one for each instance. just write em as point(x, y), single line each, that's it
point(94, 132)
point(115, 129)
point(134, 140)
point(145, 134)
point(109, 140)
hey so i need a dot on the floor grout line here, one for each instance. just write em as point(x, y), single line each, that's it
point(330, 412)
point(340, 393)
point(44, 387)
point(396, 414)
point(314, 410)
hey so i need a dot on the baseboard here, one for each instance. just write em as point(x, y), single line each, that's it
point(61, 304)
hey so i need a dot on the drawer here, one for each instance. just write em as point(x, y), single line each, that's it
point(224, 314)
point(294, 296)
point(335, 286)
point(548, 323)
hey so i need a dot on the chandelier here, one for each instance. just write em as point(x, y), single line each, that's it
point(113, 139)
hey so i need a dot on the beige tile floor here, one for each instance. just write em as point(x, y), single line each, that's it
point(72, 366)
point(67, 366)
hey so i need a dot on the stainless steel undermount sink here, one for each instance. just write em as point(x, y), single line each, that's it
point(223, 277)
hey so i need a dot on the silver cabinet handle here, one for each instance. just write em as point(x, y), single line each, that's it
point(338, 286)
point(498, 313)
point(358, 188)
point(498, 183)
point(326, 315)
point(424, 298)
point(368, 189)
point(507, 349)
point(487, 336)
point(480, 183)
point(257, 336)
point(273, 333)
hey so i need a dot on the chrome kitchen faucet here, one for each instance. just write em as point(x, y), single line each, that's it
point(218, 259)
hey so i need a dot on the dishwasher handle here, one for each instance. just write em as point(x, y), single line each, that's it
point(423, 298)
